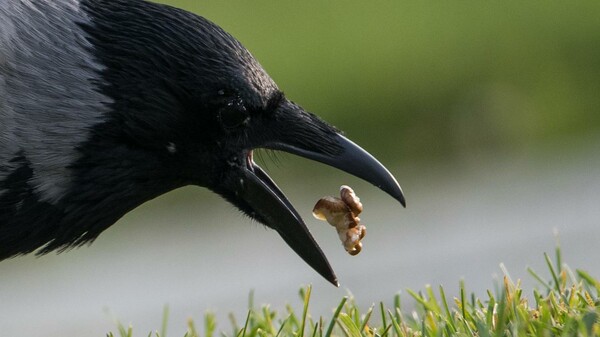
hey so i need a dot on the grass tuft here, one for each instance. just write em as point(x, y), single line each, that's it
point(565, 305)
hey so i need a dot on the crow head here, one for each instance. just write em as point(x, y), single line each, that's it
point(183, 103)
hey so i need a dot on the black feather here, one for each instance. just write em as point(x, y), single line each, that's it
point(165, 72)
point(164, 79)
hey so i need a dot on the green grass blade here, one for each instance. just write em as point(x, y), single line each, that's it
point(210, 324)
point(335, 316)
point(539, 279)
point(192, 331)
point(165, 321)
point(552, 272)
point(320, 326)
point(501, 311)
point(283, 324)
point(305, 310)
point(558, 255)
point(449, 316)
point(122, 330)
point(382, 309)
point(395, 324)
point(242, 332)
point(366, 319)
point(385, 332)
point(589, 279)
point(316, 328)
point(397, 306)
point(423, 301)
point(347, 324)
point(292, 316)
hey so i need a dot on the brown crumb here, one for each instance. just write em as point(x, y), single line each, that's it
point(342, 213)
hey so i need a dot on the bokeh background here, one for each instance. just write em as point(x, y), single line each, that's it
point(486, 112)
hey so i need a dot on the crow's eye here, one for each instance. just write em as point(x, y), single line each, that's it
point(233, 114)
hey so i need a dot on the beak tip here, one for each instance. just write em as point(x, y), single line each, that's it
point(402, 200)
point(396, 193)
point(328, 274)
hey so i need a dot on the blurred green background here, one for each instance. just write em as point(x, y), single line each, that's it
point(430, 79)
point(487, 112)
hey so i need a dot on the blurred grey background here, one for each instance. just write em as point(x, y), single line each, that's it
point(486, 112)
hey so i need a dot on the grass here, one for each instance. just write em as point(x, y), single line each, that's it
point(567, 304)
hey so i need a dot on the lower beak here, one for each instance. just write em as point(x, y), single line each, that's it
point(271, 207)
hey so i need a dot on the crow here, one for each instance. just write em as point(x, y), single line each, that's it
point(106, 104)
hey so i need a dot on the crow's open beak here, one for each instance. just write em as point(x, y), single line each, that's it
point(305, 135)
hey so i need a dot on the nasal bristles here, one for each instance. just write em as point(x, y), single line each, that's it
point(268, 156)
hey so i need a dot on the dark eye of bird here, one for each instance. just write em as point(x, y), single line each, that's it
point(233, 114)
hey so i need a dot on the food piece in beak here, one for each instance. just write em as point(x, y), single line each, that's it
point(342, 213)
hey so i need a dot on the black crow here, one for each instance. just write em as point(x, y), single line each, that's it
point(105, 104)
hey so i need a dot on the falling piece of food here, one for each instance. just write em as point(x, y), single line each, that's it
point(342, 213)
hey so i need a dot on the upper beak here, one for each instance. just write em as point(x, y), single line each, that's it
point(354, 160)
point(305, 135)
